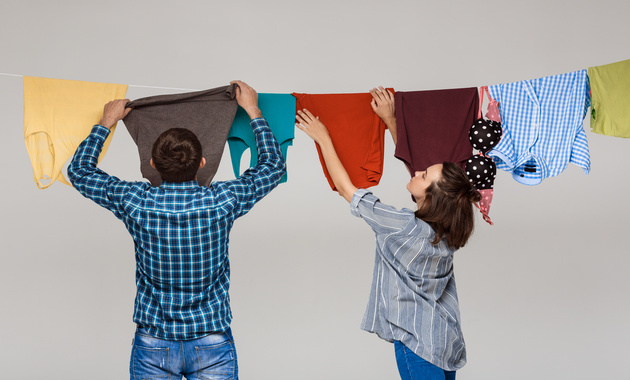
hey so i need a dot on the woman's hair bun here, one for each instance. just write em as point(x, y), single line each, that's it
point(473, 194)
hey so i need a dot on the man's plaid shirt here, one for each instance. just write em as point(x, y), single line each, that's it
point(181, 233)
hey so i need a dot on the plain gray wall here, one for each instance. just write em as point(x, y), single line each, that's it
point(544, 292)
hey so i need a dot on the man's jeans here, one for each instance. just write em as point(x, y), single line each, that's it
point(210, 357)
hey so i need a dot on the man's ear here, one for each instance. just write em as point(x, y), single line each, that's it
point(201, 164)
point(152, 164)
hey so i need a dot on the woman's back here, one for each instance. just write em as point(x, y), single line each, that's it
point(413, 298)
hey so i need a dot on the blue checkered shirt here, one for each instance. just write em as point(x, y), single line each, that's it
point(181, 234)
point(542, 126)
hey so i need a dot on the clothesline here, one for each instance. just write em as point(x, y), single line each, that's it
point(165, 88)
point(11, 75)
point(131, 85)
point(608, 82)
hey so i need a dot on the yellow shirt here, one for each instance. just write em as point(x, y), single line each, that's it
point(58, 116)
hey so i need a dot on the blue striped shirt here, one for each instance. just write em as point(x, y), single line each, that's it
point(181, 235)
point(413, 297)
point(542, 126)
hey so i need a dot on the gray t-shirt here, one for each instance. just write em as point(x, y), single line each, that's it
point(209, 114)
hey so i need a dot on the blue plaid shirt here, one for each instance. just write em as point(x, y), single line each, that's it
point(181, 234)
point(542, 126)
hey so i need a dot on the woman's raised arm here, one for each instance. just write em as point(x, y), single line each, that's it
point(316, 130)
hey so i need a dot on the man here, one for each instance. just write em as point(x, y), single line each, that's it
point(180, 231)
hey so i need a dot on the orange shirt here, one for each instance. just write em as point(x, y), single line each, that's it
point(356, 132)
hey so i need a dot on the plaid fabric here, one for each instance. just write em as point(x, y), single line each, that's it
point(181, 233)
point(542, 126)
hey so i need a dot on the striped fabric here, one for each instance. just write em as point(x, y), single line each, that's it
point(181, 233)
point(413, 297)
point(542, 126)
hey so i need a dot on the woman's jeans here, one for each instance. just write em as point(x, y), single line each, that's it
point(413, 367)
point(210, 357)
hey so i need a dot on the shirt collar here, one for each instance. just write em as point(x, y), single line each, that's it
point(188, 185)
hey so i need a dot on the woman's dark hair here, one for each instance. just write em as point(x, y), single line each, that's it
point(176, 155)
point(448, 206)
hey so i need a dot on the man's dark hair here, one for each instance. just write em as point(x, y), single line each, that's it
point(176, 155)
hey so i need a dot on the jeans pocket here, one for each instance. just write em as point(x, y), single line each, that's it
point(216, 361)
point(150, 362)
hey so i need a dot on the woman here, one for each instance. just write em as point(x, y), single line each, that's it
point(413, 300)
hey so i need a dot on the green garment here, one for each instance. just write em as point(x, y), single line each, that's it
point(610, 99)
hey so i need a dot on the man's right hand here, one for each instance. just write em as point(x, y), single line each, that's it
point(113, 112)
point(247, 98)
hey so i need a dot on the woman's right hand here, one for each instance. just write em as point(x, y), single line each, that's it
point(316, 130)
point(311, 125)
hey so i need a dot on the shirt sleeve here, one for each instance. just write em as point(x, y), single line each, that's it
point(382, 218)
point(258, 181)
point(92, 182)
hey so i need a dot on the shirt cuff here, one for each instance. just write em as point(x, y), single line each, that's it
point(258, 122)
point(100, 131)
point(356, 198)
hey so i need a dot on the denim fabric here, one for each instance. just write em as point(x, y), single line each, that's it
point(413, 367)
point(212, 357)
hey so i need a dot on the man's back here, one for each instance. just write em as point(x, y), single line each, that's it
point(181, 233)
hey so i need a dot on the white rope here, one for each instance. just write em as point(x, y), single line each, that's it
point(163, 88)
point(131, 85)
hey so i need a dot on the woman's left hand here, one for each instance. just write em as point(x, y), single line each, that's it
point(383, 104)
point(311, 125)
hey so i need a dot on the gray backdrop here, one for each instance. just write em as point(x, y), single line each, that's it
point(544, 293)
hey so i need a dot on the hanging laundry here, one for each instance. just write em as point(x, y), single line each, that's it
point(492, 111)
point(484, 204)
point(480, 169)
point(542, 126)
point(58, 116)
point(279, 111)
point(356, 131)
point(484, 134)
point(432, 126)
point(481, 172)
point(610, 99)
point(209, 114)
